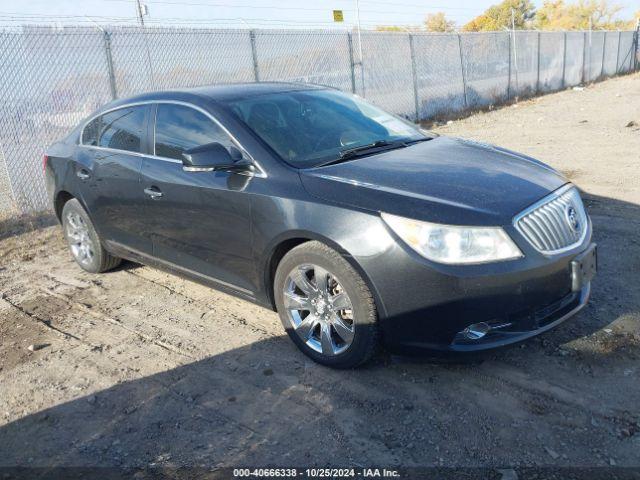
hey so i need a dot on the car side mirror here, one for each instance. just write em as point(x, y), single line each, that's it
point(214, 156)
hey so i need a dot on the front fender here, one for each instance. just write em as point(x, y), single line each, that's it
point(358, 236)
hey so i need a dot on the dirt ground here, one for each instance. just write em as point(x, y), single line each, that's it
point(138, 367)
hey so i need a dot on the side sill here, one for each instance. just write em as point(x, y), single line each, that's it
point(137, 256)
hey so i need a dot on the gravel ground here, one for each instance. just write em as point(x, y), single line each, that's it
point(137, 367)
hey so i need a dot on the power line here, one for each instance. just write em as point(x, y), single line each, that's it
point(14, 17)
point(84, 19)
point(415, 5)
point(311, 9)
point(164, 22)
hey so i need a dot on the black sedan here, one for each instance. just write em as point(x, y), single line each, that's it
point(358, 227)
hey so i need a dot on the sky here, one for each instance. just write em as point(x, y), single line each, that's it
point(248, 13)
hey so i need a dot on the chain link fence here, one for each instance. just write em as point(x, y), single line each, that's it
point(50, 79)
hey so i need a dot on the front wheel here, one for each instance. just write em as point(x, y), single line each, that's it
point(83, 240)
point(325, 306)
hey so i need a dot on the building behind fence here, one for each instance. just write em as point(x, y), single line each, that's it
point(51, 79)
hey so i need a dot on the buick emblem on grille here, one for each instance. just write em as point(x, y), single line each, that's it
point(572, 218)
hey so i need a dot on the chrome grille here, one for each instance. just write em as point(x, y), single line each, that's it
point(556, 223)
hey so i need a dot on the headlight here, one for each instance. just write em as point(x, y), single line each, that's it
point(452, 244)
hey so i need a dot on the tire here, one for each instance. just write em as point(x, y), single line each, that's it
point(85, 245)
point(312, 315)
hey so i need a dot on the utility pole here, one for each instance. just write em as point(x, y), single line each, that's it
point(139, 9)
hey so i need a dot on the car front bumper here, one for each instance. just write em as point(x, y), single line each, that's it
point(525, 324)
point(425, 307)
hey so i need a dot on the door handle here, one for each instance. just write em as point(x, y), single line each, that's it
point(153, 192)
point(82, 174)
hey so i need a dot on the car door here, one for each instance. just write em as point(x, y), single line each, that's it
point(112, 147)
point(201, 220)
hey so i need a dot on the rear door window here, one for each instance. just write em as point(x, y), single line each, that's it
point(179, 128)
point(121, 129)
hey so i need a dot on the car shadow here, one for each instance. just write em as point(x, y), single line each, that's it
point(264, 404)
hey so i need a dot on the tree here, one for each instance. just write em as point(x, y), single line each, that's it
point(390, 28)
point(437, 22)
point(398, 28)
point(498, 17)
point(601, 12)
point(630, 24)
point(597, 14)
point(553, 15)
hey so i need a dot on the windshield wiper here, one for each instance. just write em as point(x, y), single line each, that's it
point(417, 140)
point(349, 153)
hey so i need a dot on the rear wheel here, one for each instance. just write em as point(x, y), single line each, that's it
point(82, 238)
point(325, 306)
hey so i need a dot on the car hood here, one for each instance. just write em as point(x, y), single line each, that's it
point(444, 180)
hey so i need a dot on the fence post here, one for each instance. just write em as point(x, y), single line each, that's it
point(564, 62)
point(464, 82)
point(584, 55)
point(112, 75)
point(538, 67)
point(254, 55)
point(618, 52)
point(509, 71)
point(12, 192)
point(414, 74)
point(635, 46)
point(604, 49)
point(351, 63)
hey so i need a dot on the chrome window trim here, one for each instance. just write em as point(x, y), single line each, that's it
point(260, 171)
point(127, 152)
point(553, 195)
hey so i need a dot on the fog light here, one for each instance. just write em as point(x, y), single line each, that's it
point(476, 331)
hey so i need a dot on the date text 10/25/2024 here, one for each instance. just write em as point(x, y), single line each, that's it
point(315, 473)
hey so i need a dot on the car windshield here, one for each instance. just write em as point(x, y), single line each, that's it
point(311, 127)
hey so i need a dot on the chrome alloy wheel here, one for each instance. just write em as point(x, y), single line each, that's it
point(319, 309)
point(80, 242)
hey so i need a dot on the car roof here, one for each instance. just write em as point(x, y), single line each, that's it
point(220, 92)
point(233, 90)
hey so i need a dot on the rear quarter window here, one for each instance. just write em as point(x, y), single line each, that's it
point(91, 133)
point(120, 129)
